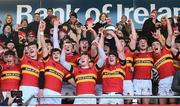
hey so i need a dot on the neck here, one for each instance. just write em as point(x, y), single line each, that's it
point(34, 57)
point(143, 51)
point(85, 67)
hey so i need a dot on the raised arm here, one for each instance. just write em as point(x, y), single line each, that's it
point(133, 36)
point(102, 56)
point(41, 29)
point(55, 33)
point(170, 33)
point(93, 32)
point(39, 39)
point(173, 48)
point(63, 59)
point(119, 46)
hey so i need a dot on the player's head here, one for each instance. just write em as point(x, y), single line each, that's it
point(106, 47)
point(33, 49)
point(156, 46)
point(55, 52)
point(142, 44)
point(84, 44)
point(122, 40)
point(68, 47)
point(112, 58)
point(84, 60)
point(9, 57)
point(49, 45)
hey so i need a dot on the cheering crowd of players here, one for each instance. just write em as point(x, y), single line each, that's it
point(50, 58)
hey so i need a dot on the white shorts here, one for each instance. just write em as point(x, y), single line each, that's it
point(128, 89)
point(98, 89)
point(165, 86)
point(48, 92)
point(28, 92)
point(85, 100)
point(142, 87)
point(111, 100)
point(6, 94)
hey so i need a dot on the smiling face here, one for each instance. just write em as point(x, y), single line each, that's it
point(9, 19)
point(56, 56)
point(10, 45)
point(32, 51)
point(154, 14)
point(68, 48)
point(37, 17)
point(24, 24)
point(8, 29)
point(103, 17)
point(112, 59)
point(156, 47)
point(84, 45)
point(31, 38)
point(106, 49)
point(84, 60)
point(143, 44)
point(49, 47)
point(9, 59)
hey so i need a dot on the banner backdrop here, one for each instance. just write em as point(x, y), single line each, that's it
point(138, 10)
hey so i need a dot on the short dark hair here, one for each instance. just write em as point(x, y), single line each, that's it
point(72, 13)
point(85, 53)
point(49, 41)
point(36, 14)
point(83, 39)
point(33, 43)
point(55, 50)
point(156, 40)
point(9, 41)
point(6, 26)
point(106, 43)
point(142, 37)
point(50, 8)
point(102, 14)
point(9, 52)
point(113, 52)
point(24, 20)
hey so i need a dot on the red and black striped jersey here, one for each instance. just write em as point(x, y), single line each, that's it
point(112, 78)
point(10, 77)
point(164, 63)
point(30, 71)
point(85, 79)
point(54, 75)
point(143, 63)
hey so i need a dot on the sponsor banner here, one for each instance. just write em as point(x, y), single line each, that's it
point(138, 10)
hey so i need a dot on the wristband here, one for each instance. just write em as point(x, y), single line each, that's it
point(41, 33)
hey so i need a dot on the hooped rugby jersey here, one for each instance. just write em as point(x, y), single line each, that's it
point(10, 77)
point(143, 63)
point(54, 75)
point(164, 63)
